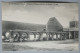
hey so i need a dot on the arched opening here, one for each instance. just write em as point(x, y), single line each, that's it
point(24, 36)
point(32, 36)
point(7, 35)
point(54, 37)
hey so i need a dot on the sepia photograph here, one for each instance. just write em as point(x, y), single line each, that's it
point(40, 26)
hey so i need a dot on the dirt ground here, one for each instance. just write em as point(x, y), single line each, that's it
point(62, 45)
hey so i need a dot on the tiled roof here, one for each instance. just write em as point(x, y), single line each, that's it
point(70, 29)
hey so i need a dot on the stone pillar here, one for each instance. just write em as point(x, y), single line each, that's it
point(56, 36)
point(34, 36)
point(19, 38)
point(74, 35)
point(64, 36)
point(47, 37)
point(69, 35)
point(60, 36)
point(52, 36)
point(11, 39)
point(28, 37)
point(39, 37)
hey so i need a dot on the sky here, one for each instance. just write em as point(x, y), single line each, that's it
point(39, 13)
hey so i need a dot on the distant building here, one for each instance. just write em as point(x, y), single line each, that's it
point(73, 30)
point(73, 24)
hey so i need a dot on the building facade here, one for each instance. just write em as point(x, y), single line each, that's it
point(73, 29)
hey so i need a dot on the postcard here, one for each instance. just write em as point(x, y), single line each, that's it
point(40, 26)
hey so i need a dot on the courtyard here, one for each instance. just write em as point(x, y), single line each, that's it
point(57, 45)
